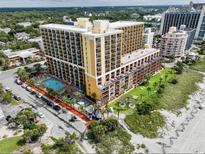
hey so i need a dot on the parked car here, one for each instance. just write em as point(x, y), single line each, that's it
point(50, 104)
point(41, 115)
point(33, 92)
point(7, 89)
point(23, 85)
point(64, 110)
point(56, 107)
point(201, 107)
point(38, 95)
point(73, 118)
point(16, 97)
point(19, 82)
point(29, 89)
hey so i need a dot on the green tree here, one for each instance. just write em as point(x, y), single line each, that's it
point(38, 67)
point(67, 145)
point(110, 123)
point(23, 75)
point(144, 108)
point(8, 97)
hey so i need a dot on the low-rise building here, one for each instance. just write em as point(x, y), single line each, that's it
point(20, 57)
point(24, 24)
point(22, 36)
point(173, 43)
point(37, 40)
point(5, 30)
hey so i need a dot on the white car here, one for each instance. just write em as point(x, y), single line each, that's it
point(41, 115)
point(23, 85)
point(7, 89)
point(29, 89)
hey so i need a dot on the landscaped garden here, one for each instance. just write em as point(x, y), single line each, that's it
point(147, 92)
point(169, 90)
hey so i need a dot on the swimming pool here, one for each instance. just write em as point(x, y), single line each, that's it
point(54, 84)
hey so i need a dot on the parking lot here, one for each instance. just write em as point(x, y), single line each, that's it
point(59, 118)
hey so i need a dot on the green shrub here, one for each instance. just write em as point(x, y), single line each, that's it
point(174, 81)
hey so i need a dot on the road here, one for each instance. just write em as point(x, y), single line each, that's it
point(8, 80)
point(59, 126)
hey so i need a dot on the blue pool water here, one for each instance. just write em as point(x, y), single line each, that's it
point(54, 84)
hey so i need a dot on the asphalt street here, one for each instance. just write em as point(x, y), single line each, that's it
point(8, 80)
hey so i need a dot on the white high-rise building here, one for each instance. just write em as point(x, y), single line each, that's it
point(148, 37)
point(173, 43)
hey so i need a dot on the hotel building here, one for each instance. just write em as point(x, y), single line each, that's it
point(104, 59)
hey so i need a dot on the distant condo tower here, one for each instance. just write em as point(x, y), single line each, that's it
point(175, 17)
point(192, 16)
point(173, 43)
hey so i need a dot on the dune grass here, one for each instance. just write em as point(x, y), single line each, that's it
point(146, 125)
point(175, 96)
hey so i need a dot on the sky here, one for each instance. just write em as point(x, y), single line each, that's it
point(67, 3)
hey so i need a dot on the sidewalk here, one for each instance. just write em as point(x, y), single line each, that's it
point(64, 105)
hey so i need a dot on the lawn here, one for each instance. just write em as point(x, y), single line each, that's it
point(142, 93)
point(8, 145)
point(175, 96)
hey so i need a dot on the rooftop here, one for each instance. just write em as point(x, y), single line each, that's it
point(185, 9)
point(120, 24)
point(22, 53)
point(64, 27)
point(138, 54)
point(109, 32)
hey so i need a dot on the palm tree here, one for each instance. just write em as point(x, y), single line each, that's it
point(118, 112)
point(148, 91)
point(141, 96)
point(38, 67)
point(22, 74)
point(107, 110)
point(103, 111)
point(165, 77)
point(155, 85)
point(160, 80)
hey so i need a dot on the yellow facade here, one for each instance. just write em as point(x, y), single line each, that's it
point(132, 38)
point(92, 88)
